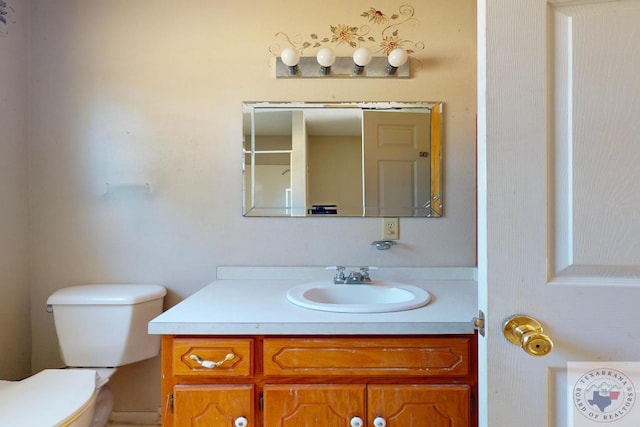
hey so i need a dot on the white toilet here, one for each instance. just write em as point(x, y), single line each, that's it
point(99, 327)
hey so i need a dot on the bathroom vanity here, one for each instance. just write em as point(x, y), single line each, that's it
point(238, 353)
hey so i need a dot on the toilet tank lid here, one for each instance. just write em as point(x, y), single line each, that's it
point(106, 294)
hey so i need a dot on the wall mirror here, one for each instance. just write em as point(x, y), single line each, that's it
point(342, 159)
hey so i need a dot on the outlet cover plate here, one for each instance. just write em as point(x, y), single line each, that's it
point(390, 228)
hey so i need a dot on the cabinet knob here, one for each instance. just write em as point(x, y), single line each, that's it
point(357, 422)
point(241, 422)
point(379, 422)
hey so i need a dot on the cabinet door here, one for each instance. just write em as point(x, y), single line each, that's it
point(212, 405)
point(420, 405)
point(302, 405)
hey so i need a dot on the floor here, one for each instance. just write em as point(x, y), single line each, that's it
point(134, 419)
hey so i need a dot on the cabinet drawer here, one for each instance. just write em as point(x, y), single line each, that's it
point(375, 356)
point(212, 357)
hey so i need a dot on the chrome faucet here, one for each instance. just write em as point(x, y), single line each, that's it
point(358, 278)
point(354, 277)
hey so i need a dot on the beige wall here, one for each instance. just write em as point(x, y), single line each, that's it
point(136, 92)
point(15, 334)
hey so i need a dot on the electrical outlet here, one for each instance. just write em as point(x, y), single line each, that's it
point(390, 228)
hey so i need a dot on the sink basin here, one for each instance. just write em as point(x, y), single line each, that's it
point(377, 297)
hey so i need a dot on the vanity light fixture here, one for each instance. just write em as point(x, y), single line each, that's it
point(290, 57)
point(361, 65)
point(397, 58)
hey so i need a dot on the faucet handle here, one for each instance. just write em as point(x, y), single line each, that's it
point(364, 271)
point(339, 269)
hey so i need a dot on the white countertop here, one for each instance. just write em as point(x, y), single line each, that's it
point(260, 307)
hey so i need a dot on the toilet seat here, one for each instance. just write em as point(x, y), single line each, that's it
point(103, 375)
point(53, 397)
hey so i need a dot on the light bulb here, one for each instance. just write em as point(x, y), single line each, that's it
point(361, 57)
point(326, 57)
point(290, 57)
point(397, 58)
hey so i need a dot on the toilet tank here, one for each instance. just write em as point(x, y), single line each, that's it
point(106, 325)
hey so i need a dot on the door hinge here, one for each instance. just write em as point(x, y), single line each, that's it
point(478, 322)
point(261, 402)
point(170, 402)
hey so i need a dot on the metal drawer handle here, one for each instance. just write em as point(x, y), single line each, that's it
point(209, 364)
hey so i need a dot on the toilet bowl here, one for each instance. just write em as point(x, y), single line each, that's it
point(99, 327)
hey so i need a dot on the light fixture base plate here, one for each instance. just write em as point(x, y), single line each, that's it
point(308, 67)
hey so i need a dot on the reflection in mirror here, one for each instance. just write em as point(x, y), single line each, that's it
point(342, 159)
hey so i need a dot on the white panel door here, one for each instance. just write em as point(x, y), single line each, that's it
point(396, 162)
point(559, 196)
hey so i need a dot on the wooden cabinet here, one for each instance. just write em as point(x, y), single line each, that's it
point(425, 381)
point(289, 405)
point(423, 405)
point(212, 405)
point(294, 405)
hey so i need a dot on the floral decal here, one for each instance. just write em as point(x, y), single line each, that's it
point(381, 34)
point(344, 34)
point(376, 16)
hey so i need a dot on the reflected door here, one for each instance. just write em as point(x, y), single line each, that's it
point(396, 163)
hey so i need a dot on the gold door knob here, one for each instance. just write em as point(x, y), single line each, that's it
point(526, 332)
